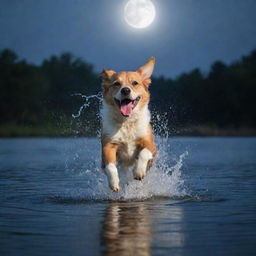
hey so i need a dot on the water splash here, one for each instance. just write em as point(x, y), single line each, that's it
point(162, 180)
point(87, 102)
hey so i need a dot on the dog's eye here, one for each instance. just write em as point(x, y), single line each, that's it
point(116, 83)
point(135, 83)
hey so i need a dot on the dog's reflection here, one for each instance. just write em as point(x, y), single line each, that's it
point(127, 230)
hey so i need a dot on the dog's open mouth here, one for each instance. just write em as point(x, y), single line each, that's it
point(126, 106)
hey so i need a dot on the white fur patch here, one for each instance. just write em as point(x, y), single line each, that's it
point(145, 154)
point(125, 131)
point(141, 168)
point(133, 127)
point(112, 174)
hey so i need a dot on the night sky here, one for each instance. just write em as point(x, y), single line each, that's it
point(185, 34)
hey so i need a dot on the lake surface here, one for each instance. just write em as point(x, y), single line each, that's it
point(199, 199)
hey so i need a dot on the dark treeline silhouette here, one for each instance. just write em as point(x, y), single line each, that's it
point(41, 95)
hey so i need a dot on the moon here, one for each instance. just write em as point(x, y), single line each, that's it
point(139, 13)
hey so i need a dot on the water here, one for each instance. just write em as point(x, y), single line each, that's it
point(199, 199)
point(87, 102)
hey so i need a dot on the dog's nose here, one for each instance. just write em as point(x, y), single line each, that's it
point(126, 91)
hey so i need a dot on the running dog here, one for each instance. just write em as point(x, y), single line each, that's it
point(127, 138)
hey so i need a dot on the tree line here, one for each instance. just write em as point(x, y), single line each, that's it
point(42, 94)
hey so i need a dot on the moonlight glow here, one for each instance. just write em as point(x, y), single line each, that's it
point(139, 13)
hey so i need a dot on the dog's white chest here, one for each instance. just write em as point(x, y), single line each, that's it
point(128, 130)
point(127, 133)
point(126, 136)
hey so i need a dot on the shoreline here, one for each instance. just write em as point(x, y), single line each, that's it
point(14, 131)
point(208, 131)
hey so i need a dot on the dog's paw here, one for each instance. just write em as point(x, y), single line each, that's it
point(139, 175)
point(115, 188)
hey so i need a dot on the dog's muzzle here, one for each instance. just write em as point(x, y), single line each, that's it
point(127, 105)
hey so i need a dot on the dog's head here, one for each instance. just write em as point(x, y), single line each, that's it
point(127, 91)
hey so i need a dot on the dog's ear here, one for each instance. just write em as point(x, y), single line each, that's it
point(147, 69)
point(106, 75)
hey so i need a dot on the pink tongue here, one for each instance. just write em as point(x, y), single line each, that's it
point(126, 109)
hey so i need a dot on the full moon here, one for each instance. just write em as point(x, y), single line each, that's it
point(139, 13)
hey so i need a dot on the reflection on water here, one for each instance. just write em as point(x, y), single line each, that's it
point(169, 225)
point(127, 229)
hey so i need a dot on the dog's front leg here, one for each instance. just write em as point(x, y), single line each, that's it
point(141, 168)
point(109, 163)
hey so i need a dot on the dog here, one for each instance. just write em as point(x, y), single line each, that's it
point(127, 138)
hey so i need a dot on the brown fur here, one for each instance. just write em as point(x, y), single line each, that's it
point(114, 151)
